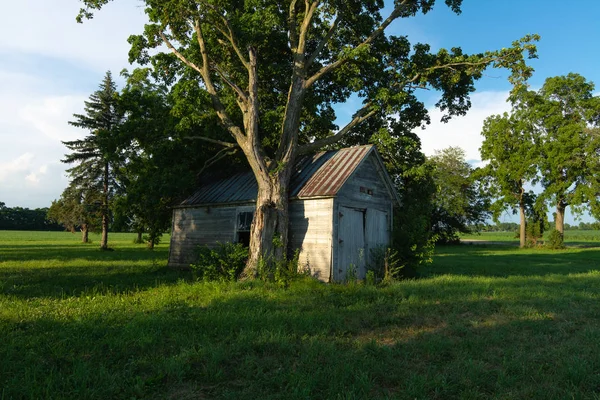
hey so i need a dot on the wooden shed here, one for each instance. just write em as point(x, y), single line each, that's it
point(341, 207)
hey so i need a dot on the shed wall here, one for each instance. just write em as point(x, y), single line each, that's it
point(365, 190)
point(370, 177)
point(311, 232)
point(193, 227)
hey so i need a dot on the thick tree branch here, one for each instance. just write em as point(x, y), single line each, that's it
point(235, 130)
point(323, 42)
point(341, 61)
point(292, 26)
point(309, 12)
point(363, 114)
point(229, 34)
point(178, 54)
point(242, 99)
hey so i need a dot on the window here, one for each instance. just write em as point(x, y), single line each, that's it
point(244, 221)
point(367, 191)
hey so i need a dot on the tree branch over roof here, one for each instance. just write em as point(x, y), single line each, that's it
point(366, 112)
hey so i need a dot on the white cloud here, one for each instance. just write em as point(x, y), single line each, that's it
point(464, 132)
point(32, 125)
point(32, 178)
point(50, 115)
point(15, 166)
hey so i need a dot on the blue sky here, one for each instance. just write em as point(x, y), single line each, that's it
point(49, 65)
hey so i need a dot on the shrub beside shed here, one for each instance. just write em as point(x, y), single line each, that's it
point(341, 207)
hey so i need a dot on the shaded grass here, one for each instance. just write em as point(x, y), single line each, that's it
point(485, 323)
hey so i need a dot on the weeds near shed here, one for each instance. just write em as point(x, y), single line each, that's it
point(281, 272)
point(385, 264)
point(223, 263)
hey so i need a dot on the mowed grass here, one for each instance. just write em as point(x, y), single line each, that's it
point(573, 238)
point(483, 322)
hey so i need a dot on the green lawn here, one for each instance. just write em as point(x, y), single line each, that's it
point(483, 322)
point(573, 238)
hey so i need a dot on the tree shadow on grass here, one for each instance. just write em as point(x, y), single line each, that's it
point(411, 340)
point(96, 279)
point(490, 260)
point(92, 252)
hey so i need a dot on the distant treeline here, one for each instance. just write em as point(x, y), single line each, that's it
point(514, 227)
point(25, 219)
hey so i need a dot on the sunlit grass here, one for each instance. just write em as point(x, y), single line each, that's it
point(483, 322)
point(573, 238)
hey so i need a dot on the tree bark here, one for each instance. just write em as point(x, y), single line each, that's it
point(84, 234)
point(269, 230)
point(559, 222)
point(104, 240)
point(523, 226)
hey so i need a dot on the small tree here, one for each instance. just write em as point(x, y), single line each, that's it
point(458, 201)
point(96, 156)
point(77, 209)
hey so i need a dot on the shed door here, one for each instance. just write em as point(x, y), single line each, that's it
point(377, 228)
point(351, 243)
point(377, 232)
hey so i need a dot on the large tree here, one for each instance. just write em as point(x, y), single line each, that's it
point(566, 113)
point(510, 147)
point(273, 69)
point(96, 156)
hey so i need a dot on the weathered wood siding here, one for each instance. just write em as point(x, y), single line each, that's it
point(193, 227)
point(365, 191)
point(370, 177)
point(311, 232)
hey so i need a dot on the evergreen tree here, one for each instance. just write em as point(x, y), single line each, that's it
point(96, 156)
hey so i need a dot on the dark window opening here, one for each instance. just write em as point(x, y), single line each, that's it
point(366, 191)
point(244, 221)
point(244, 238)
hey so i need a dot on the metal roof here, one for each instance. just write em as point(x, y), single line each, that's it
point(320, 175)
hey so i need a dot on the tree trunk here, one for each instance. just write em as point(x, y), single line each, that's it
point(104, 240)
point(139, 238)
point(559, 222)
point(151, 240)
point(84, 234)
point(269, 230)
point(522, 227)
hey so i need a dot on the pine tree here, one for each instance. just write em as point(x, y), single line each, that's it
point(96, 156)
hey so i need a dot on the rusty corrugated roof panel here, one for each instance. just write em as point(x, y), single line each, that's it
point(333, 172)
point(319, 175)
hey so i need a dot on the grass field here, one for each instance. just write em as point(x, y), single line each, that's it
point(483, 322)
point(572, 237)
